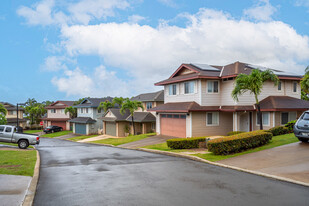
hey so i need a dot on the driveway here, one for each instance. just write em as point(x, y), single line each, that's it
point(147, 141)
point(290, 161)
point(74, 173)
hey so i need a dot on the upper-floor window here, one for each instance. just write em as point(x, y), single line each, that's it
point(81, 110)
point(212, 86)
point(149, 105)
point(287, 117)
point(189, 87)
point(62, 111)
point(86, 110)
point(279, 86)
point(212, 118)
point(53, 111)
point(294, 86)
point(265, 119)
point(172, 89)
point(12, 112)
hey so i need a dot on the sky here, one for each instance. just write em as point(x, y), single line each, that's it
point(65, 50)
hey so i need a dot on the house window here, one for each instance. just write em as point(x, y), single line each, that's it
point(212, 118)
point(163, 115)
point(53, 111)
point(189, 87)
point(265, 118)
point(279, 86)
point(153, 126)
point(149, 105)
point(86, 110)
point(81, 110)
point(294, 86)
point(212, 86)
point(172, 89)
point(12, 112)
point(287, 117)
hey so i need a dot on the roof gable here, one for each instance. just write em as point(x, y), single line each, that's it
point(184, 69)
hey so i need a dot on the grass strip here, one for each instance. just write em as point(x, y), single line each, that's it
point(124, 140)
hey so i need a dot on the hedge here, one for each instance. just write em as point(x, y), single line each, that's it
point(234, 132)
point(290, 125)
point(279, 130)
point(185, 143)
point(239, 142)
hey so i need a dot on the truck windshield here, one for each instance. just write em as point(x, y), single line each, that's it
point(306, 116)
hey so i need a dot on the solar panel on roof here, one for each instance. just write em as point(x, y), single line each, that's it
point(206, 67)
point(277, 72)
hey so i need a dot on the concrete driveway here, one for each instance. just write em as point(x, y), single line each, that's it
point(147, 141)
point(290, 161)
point(74, 173)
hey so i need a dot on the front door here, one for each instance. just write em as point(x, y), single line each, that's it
point(244, 122)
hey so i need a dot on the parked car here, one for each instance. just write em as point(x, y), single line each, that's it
point(52, 129)
point(8, 134)
point(301, 127)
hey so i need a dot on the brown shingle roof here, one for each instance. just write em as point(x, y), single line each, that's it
point(149, 97)
point(281, 103)
point(142, 117)
point(183, 107)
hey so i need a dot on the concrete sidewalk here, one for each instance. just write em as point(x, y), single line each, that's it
point(100, 137)
point(13, 189)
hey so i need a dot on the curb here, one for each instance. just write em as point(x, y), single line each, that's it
point(28, 201)
point(198, 159)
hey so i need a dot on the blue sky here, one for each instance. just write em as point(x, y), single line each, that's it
point(56, 50)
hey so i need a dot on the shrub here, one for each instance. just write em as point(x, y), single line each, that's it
point(234, 132)
point(278, 130)
point(290, 125)
point(185, 143)
point(239, 142)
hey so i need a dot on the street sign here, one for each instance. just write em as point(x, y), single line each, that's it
point(41, 123)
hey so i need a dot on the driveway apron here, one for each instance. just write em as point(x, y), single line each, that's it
point(84, 174)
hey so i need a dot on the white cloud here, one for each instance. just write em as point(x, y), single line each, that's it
point(304, 3)
point(48, 12)
point(99, 83)
point(262, 11)
point(54, 63)
point(134, 19)
point(170, 3)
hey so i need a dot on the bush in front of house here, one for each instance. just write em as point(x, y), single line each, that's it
point(290, 125)
point(185, 143)
point(234, 132)
point(278, 130)
point(239, 142)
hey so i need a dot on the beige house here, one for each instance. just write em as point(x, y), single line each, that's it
point(117, 124)
point(12, 115)
point(56, 115)
point(198, 102)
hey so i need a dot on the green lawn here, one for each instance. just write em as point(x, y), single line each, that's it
point(164, 147)
point(124, 140)
point(17, 162)
point(275, 142)
point(32, 131)
point(75, 139)
point(56, 134)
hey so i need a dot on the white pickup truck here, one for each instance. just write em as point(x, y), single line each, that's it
point(8, 134)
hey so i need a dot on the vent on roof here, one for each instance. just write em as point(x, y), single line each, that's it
point(206, 67)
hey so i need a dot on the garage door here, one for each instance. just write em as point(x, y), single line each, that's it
point(80, 129)
point(173, 125)
point(60, 124)
point(111, 128)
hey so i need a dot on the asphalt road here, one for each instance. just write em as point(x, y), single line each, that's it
point(83, 174)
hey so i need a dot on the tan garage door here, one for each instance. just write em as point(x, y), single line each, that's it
point(60, 124)
point(173, 125)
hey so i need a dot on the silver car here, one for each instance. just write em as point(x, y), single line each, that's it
point(301, 127)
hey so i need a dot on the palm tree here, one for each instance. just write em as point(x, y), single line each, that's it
point(72, 111)
point(105, 105)
point(304, 84)
point(3, 110)
point(119, 101)
point(131, 106)
point(254, 84)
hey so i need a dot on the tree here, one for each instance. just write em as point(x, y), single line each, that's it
point(3, 112)
point(35, 110)
point(254, 84)
point(119, 101)
point(72, 111)
point(105, 105)
point(304, 84)
point(131, 106)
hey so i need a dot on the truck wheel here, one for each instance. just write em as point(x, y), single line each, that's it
point(303, 139)
point(23, 144)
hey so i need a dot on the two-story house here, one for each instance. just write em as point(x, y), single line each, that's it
point(56, 116)
point(115, 123)
point(87, 121)
point(11, 115)
point(198, 102)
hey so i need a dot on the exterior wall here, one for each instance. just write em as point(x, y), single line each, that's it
point(94, 114)
point(256, 125)
point(20, 114)
point(121, 128)
point(59, 114)
point(181, 96)
point(210, 99)
point(138, 128)
point(199, 127)
point(158, 129)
